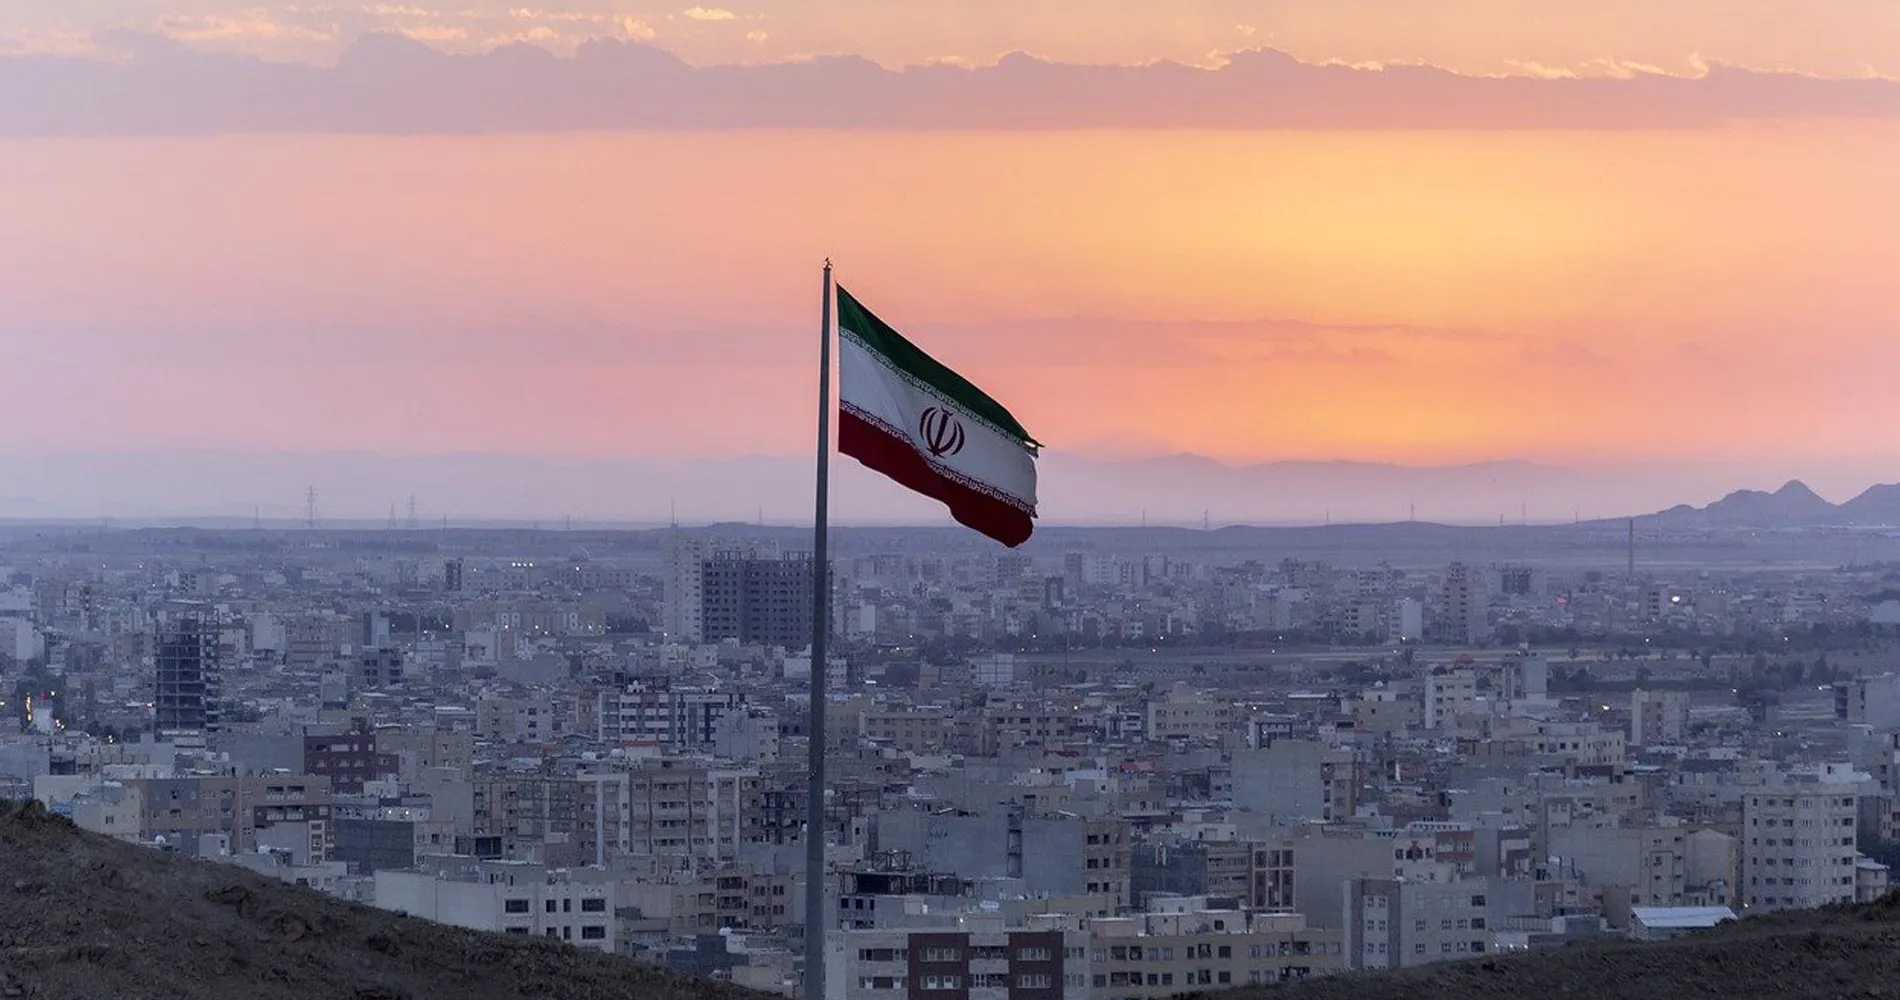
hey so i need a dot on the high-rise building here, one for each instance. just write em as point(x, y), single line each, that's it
point(1798, 846)
point(1463, 617)
point(188, 682)
point(757, 601)
point(452, 576)
point(681, 590)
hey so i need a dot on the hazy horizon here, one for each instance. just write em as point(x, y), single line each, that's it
point(1078, 490)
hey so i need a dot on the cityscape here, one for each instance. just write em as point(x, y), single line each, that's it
point(1306, 500)
point(1113, 764)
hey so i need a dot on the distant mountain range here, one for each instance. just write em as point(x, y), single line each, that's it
point(1792, 506)
point(1185, 490)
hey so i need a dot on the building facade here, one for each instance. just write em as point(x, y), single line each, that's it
point(188, 683)
point(959, 964)
point(756, 601)
point(1798, 847)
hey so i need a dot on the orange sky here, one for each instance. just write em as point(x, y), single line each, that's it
point(1417, 297)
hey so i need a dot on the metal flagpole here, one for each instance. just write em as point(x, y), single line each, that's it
point(815, 912)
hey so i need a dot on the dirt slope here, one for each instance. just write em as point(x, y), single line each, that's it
point(89, 918)
point(1840, 953)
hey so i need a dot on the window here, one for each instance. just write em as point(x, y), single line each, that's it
point(593, 906)
point(1039, 981)
point(515, 906)
point(516, 930)
point(1032, 955)
point(942, 955)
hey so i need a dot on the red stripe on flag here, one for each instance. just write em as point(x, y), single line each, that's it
point(896, 458)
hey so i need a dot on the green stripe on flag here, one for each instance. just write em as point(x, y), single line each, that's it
point(876, 335)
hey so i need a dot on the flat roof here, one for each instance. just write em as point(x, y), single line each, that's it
point(1681, 916)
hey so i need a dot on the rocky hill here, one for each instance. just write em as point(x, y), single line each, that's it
point(84, 917)
point(1794, 505)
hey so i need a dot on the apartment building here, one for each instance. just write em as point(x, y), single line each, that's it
point(672, 807)
point(1658, 717)
point(1258, 873)
point(184, 809)
point(1186, 945)
point(1798, 846)
point(732, 897)
point(682, 717)
point(574, 906)
point(347, 759)
point(971, 959)
point(1396, 923)
point(1011, 725)
point(756, 601)
point(912, 731)
point(427, 748)
point(1447, 696)
point(1186, 713)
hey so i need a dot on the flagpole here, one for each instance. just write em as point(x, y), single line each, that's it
point(815, 911)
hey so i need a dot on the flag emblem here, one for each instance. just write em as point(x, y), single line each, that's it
point(942, 432)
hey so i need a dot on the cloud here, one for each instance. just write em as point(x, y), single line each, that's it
point(254, 24)
point(708, 14)
point(564, 16)
point(388, 83)
point(436, 32)
point(51, 42)
point(758, 36)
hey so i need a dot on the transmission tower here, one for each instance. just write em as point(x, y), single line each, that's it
point(413, 522)
point(310, 508)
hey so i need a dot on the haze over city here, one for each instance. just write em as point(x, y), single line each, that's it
point(1579, 238)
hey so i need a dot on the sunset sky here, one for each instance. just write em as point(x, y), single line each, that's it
point(1530, 267)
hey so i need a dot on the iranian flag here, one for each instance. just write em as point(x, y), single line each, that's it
point(902, 413)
